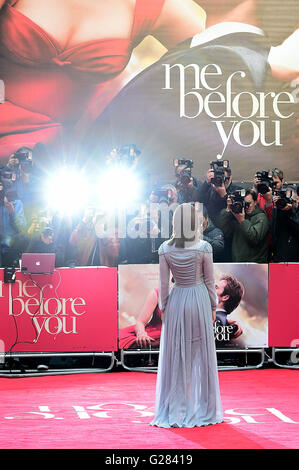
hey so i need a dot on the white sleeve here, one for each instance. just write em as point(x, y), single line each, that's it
point(208, 274)
point(163, 281)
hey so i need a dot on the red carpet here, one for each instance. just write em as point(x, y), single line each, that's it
point(113, 411)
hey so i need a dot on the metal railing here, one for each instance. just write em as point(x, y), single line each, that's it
point(149, 352)
point(286, 365)
point(13, 372)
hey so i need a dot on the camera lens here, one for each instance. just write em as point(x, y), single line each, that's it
point(263, 188)
point(237, 207)
point(281, 203)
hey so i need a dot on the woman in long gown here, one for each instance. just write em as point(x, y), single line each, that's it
point(187, 392)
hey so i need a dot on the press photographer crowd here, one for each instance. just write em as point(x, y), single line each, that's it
point(254, 222)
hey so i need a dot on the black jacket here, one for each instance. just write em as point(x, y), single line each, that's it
point(211, 199)
point(284, 226)
point(36, 245)
point(215, 237)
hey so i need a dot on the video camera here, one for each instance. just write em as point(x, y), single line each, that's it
point(219, 167)
point(185, 175)
point(238, 203)
point(266, 181)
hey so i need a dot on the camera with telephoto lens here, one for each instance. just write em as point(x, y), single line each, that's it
point(219, 167)
point(285, 197)
point(23, 155)
point(186, 174)
point(238, 203)
point(266, 181)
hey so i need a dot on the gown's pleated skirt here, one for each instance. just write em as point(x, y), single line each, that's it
point(187, 390)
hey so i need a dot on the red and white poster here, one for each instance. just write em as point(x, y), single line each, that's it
point(69, 310)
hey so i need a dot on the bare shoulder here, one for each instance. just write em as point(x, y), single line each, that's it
point(179, 20)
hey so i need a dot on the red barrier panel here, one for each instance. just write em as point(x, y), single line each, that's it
point(283, 305)
point(69, 310)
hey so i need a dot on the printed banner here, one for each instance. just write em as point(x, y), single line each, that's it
point(70, 310)
point(283, 305)
point(195, 78)
point(245, 323)
point(241, 319)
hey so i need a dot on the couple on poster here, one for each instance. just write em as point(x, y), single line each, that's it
point(61, 64)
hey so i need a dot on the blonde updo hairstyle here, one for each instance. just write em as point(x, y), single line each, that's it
point(186, 225)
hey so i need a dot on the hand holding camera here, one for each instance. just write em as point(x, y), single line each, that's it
point(220, 188)
point(281, 204)
point(34, 228)
point(184, 174)
point(9, 206)
point(210, 176)
point(237, 205)
point(264, 181)
point(268, 196)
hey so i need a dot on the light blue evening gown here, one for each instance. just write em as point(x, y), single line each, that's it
point(187, 390)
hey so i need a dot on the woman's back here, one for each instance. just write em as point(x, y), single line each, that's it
point(189, 266)
point(186, 264)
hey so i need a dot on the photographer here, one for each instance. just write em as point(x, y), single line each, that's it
point(92, 248)
point(153, 222)
point(284, 227)
point(248, 225)
point(264, 183)
point(213, 194)
point(186, 185)
point(215, 189)
point(17, 174)
point(213, 235)
point(43, 241)
point(12, 222)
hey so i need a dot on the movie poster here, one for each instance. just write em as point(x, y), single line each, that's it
point(202, 81)
point(241, 322)
point(181, 78)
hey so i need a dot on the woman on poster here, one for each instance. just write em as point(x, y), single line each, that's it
point(147, 330)
point(187, 393)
